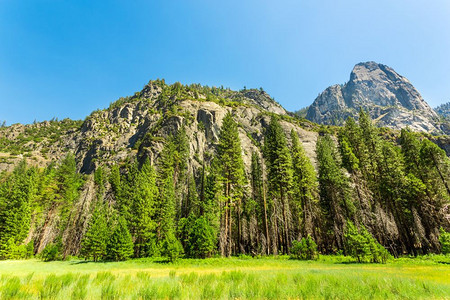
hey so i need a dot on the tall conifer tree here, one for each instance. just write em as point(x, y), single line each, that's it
point(279, 165)
point(232, 177)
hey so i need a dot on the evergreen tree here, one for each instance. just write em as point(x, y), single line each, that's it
point(70, 180)
point(396, 192)
point(279, 166)
point(335, 193)
point(436, 165)
point(114, 180)
point(372, 152)
point(171, 247)
point(143, 223)
point(349, 159)
point(356, 243)
point(95, 240)
point(232, 176)
point(99, 179)
point(411, 152)
point(305, 187)
point(169, 244)
point(201, 239)
point(259, 196)
point(16, 194)
point(361, 245)
point(120, 245)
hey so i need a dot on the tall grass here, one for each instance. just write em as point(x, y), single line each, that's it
point(242, 279)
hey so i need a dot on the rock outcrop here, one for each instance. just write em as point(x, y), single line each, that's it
point(139, 125)
point(391, 100)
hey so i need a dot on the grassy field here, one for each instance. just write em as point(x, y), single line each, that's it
point(223, 278)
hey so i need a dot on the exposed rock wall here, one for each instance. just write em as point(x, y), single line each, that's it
point(390, 98)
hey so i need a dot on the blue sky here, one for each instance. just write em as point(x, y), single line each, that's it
point(68, 58)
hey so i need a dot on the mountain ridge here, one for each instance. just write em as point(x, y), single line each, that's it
point(390, 98)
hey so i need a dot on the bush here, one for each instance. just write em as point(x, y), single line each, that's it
point(10, 250)
point(444, 239)
point(51, 252)
point(202, 240)
point(306, 249)
point(171, 248)
point(363, 246)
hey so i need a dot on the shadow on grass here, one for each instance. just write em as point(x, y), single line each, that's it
point(353, 263)
point(80, 262)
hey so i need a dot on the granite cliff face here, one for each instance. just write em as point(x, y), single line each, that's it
point(390, 98)
point(139, 125)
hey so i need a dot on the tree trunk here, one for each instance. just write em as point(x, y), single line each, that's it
point(266, 223)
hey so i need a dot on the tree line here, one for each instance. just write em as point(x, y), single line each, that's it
point(370, 194)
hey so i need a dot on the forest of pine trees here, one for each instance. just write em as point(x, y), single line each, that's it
point(365, 187)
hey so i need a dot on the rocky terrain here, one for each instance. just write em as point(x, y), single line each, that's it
point(391, 100)
point(143, 126)
point(138, 125)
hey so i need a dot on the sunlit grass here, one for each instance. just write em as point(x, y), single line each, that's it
point(222, 278)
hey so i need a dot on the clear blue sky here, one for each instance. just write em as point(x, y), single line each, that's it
point(67, 58)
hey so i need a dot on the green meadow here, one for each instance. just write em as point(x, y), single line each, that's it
point(227, 278)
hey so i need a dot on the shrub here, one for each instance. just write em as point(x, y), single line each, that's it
point(444, 239)
point(363, 246)
point(11, 250)
point(306, 249)
point(51, 252)
point(201, 239)
point(171, 248)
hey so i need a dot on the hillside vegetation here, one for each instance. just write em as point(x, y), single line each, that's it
point(191, 171)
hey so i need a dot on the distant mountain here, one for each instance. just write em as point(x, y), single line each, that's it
point(391, 100)
point(443, 110)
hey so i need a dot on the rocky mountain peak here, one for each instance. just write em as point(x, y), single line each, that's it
point(389, 97)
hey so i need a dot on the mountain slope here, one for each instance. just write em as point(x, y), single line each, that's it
point(391, 100)
point(141, 123)
point(164, 161)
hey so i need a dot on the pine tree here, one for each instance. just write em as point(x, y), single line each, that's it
point(349, 159)
point(356, 243)
point(99, 179)
point(335, 193)
point(411, 152)
point(143, 224)
point(169, 172)
point(305, 187)
point(120, 245)
point(351, 135)
point(201, 239)
point(437, 164)
point(16, 194)
point(279, 165)
point(372, 152)
point(70, 180)
point(169, 244)
point(232, 177)
point(259, 196)
point(95, 240)
point(396, 192)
